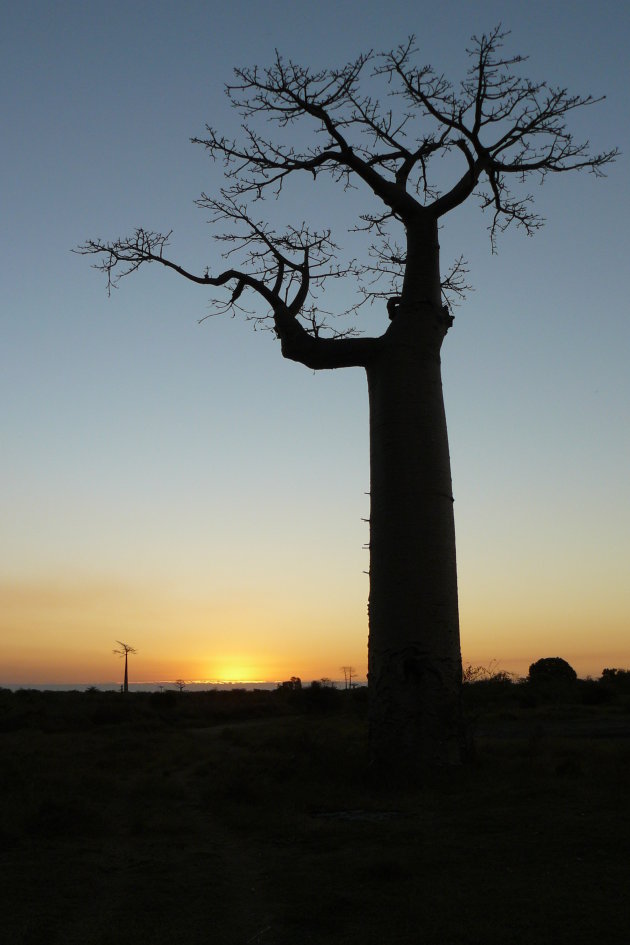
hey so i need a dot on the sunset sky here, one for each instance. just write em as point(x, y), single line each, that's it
point(179, 486)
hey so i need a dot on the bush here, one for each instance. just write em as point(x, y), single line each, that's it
point(551, 669)
point(616, 679)
point(594, 693)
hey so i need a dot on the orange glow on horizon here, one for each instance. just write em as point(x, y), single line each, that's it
point(63, 632)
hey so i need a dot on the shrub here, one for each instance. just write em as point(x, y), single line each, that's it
point(617, 679)
point(551, 669)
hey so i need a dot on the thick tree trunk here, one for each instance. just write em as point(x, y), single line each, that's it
point(414, 659)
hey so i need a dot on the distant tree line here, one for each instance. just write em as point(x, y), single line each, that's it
point(549, 682)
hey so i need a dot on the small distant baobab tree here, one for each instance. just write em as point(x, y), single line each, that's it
point(417, 147)
point(124, 649)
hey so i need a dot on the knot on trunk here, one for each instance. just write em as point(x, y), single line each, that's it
point(445, 318)
point(442, 313)
point(419, 324)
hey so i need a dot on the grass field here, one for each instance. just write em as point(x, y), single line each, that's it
point(126, 820)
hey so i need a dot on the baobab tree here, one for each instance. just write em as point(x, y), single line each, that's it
point(416, 155)
point(124, 649)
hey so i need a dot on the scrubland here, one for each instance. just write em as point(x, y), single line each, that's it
point(244, 817)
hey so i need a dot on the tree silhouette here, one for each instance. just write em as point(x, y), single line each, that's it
point(124, 650)
point(493, 132)
point(551, 669)
point(348, 673)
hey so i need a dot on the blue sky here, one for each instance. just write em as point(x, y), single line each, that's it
point(179, 484)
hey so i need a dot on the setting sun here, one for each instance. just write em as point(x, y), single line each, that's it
point(236, 673)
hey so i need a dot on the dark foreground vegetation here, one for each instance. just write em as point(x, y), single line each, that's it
point(250, 817)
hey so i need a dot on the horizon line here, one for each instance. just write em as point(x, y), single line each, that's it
point(149, 682)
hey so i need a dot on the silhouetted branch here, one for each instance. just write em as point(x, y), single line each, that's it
point(504, 127)
point(280, 268)
point(124, 649)
point(382, 277)
point(502, 123)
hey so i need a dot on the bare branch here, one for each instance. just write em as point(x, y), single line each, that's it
point(285, 93)
point(123, 649)
point(455, 286)
point(504, 125)
point(502, 128)
point(280, 268)
point(124, 256)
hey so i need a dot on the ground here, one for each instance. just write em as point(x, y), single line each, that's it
point(158, 828)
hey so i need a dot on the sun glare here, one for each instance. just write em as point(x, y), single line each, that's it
point(236, 673)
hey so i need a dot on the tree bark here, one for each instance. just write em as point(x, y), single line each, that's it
point(414, 659)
